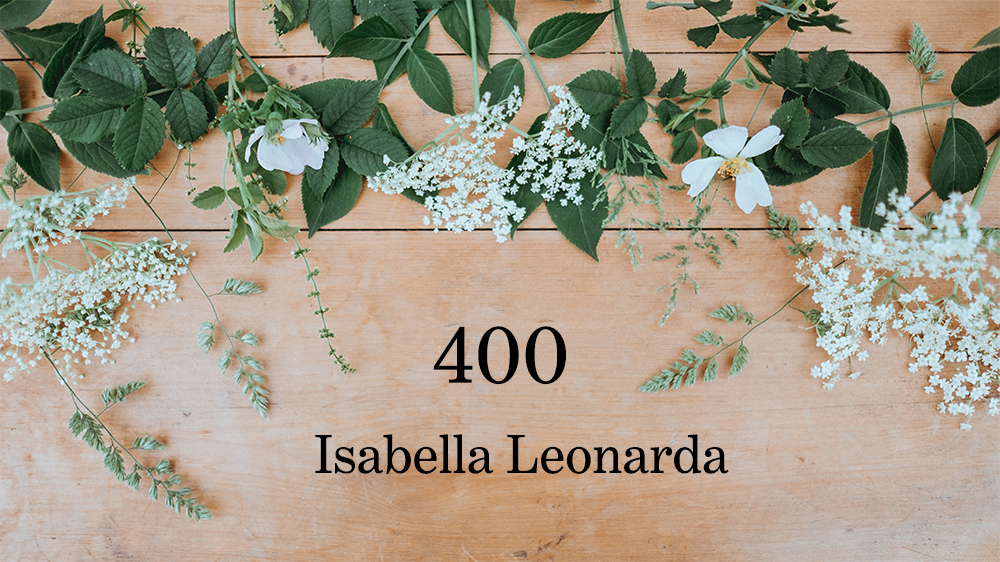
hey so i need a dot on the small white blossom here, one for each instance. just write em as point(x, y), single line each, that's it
point(733, 149)
point(291, 150)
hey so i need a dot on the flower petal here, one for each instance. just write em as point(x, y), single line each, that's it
point(752, 189)
point(699, 174)
point(764, 140)
point(257, 133)
point(727, 142)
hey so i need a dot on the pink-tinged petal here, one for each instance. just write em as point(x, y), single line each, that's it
point(699, 174)
point(752, 189)
point(726, 142)
point(272, 156)
point(764, 140)
point(254, 137)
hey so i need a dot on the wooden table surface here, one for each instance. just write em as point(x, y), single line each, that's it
point(867, 471)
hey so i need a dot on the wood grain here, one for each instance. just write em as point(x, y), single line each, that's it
point(866, 471)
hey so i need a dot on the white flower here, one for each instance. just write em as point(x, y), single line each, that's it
point(731, 143)
point(291, 150)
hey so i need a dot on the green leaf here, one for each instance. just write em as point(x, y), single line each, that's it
point(364, 149)
point(209, 199)
point(991, 38)
point(683, 147)
point(826, 68)
point(373, 39)
point(583, 224)
point(216, 57)
point(561, 35)
point(36, 152)
point(40, 44)
point(793, 120)
point(99, 156)
point(140, 134)
point(18, 13)
point(742, 26)
point(329, 20)
point(703, 36)
point(836, 148)
point(786, 68)
point(675, 86)
point(351, 106)
point(960, 159)
point(628, 117)
point(640, 75)
point(865, 92)
point(186, 115)
point(890, 166)
point(111, 75)
point(505, 9)
point(454, 19)
point(401, 14)
point(430, 80)
point(170, 56)
point(596, 91)
point(83, 118)
point(58, 82)
point(501, 80)
point(337, 200)
point(977, 82)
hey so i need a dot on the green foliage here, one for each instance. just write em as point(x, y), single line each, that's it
point(454, 18)
point(890, 167)
point(960, 159)
point(977, 82)
point(431, 81)
point(561, 35)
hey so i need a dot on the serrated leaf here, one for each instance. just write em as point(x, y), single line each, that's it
point(793, 120)
point(683, 147)
point(836, 148)
point(364, 151)
point(430, 80)
point(18, 13)
point(186, 115)
point(960, 160)
point(582, 224)
point(640, 75)
point(216, 57)
point(58, 81)
point(373, 39)
point(628, 117)
point(501, 80)
point(111, 75)
point(209, 199)
point(329, 20)
point(505, 9)
point(351, 106)
point(703, 36)
point(826, 68)
point(890, 166)
point(36, 152)
point(83, 118)
point(785, 68)
point(561, 35)
point(675, 86)
point(977, 82)
point(334, 202)
point(140, 135)
point(741, 26)
point(40, 44)
point(596, 91)
point(454, 19)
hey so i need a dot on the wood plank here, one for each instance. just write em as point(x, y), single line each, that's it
point(419, 123)
point(883, 27)
point(853, 473)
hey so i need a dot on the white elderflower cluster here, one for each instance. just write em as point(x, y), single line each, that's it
point(39, 222)
point(71, 314)
point(463, 188)
point(958, 332)
point(555, 162)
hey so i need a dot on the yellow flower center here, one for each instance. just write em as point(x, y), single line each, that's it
point(733, 167)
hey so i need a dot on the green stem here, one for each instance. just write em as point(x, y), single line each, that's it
point(236, 41)
point(616, 7)
point(531, 62)
point(891, 114)
point(991, 166)
point(474, 54)
point(407, 46)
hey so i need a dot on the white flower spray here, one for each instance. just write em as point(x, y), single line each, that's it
point(957, 335)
